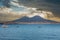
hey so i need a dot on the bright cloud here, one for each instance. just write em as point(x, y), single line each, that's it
point(17, 11)
point(8, 15)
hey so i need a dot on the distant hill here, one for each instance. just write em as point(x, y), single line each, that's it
point(33, 19)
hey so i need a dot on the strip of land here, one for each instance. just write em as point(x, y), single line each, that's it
point(31, 23)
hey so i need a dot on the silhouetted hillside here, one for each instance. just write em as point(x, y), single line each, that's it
point(33, 19)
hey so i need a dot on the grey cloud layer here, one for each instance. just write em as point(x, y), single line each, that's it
point(50, 5)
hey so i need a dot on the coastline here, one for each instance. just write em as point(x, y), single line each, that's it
point(30, 23)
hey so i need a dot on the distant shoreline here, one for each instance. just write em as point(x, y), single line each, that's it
point(30, 23)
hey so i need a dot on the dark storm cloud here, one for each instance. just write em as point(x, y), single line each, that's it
point(5, 3)
point(54, 1)
point(50, 5)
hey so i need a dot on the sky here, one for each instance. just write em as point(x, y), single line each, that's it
point(29, 8)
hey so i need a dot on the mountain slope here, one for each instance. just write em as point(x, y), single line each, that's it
point(33, 19)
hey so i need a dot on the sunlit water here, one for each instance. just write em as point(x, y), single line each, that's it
point(30, 32)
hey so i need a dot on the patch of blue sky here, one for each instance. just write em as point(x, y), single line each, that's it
point(17, 9)
point(1, 4)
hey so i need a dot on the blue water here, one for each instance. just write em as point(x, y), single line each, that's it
point(30, 32)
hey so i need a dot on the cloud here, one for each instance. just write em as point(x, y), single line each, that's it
point(6, 14)
point(49, 5)
point(14, 9)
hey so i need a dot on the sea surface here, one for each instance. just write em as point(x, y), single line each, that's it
point(30, 32)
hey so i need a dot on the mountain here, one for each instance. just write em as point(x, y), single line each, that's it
point(33, 19)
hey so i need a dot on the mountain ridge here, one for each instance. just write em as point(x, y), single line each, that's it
point(33, 19)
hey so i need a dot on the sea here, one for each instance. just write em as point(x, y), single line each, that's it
point(30, 32)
